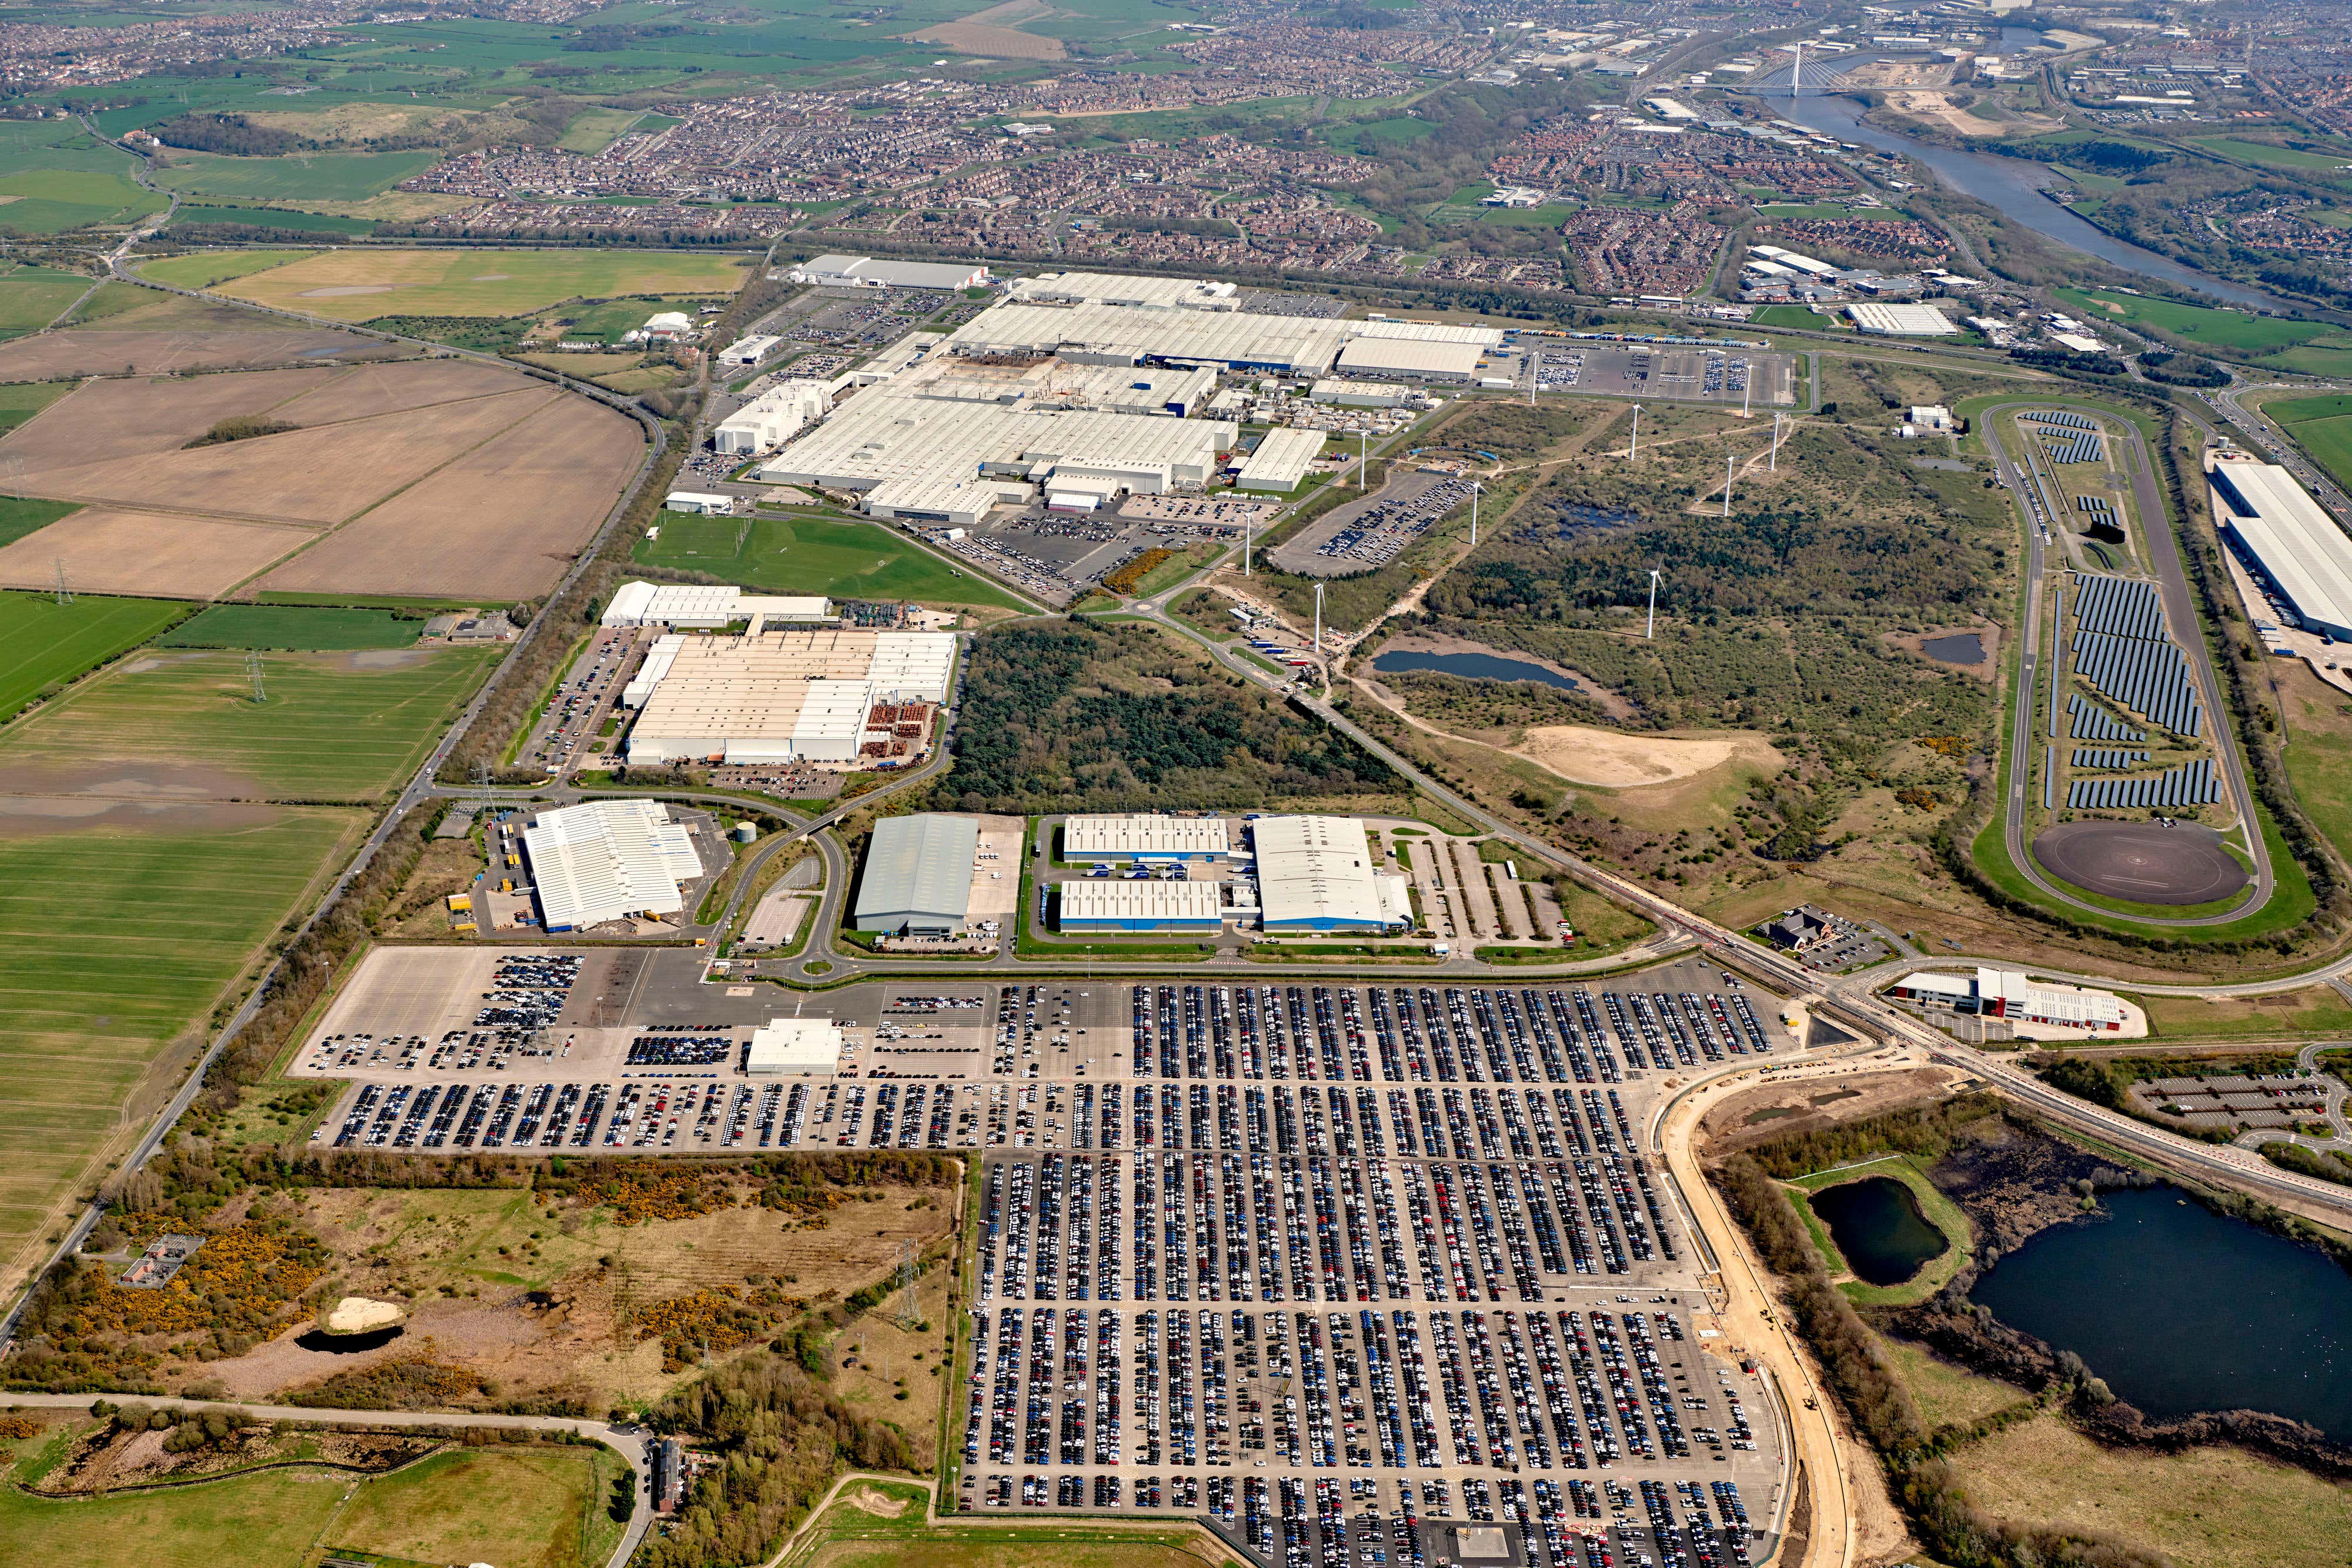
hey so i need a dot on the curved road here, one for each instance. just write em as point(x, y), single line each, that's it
point(2037, 655)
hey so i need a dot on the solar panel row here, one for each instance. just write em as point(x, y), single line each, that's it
point(2192, 784)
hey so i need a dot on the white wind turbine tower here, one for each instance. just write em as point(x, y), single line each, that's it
point(1652, 632)
point(1726, 484)
point(1476, 490)
point(1635, 449)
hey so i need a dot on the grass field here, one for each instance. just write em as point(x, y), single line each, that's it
point(535, 1508)
point(797, 555)
point(2322, 426)
point(2315, 1014)
point(61, 178)
point(1794, 316)
point(521, 1508)
point(2230, 332)
point(190, 214)
point(1945, 1393)
point(333, 728)
point(2319, 752)
point(299, 177)
point(291, 627)
point(593, 129)
point(20, 400)
point(2264, 153)
point(43, 642)
point(209, 268)
point(877, 1525)
point(120, 925)
point(355, 285)
point(2208, 1508)
point(22, 516)
point(32, 297)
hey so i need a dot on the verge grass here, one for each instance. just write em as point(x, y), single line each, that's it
point(2206, 1508)
point(328, 730)
point(813, 555)
point(43, 642)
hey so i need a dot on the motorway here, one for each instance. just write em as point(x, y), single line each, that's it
point(2037, 654)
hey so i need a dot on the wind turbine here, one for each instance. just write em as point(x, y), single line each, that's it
point(1635, 450)
point(1774, 467)
point(1652, 632)
point(1476, 490)
point(1726, 484)
point(1319, 618)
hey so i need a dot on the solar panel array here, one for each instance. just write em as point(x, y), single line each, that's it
point(2121, 651)
point(2103, 756)
point(2192, 784)
point(2075, 448)
point(2102, 510)
point(2066, 417)
point(2092, 722)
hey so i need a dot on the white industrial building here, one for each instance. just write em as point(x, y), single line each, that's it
point(1409, 359)
point(2287, 537)
point(1784, 260)
point(1110, 289)
point(804, 696)
point(1281, 461)
point(1901, 321)
point(772, 418)
point(795, 1048)
point(1359, 394)
point(1118, 904)
point(2008, 994)
point(1318, 874)
point(707, 604)
point(866, 272)
point(605, 860)
point(700, 503)
point(1152, 838)
point(948, 460)
point(1235, 340)
point(748, 350)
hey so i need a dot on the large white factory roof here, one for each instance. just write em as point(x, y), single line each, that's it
point(1900, 320)
point(795, 694)
point(1109, 288)
point(704, 604)
point(2295, 542)
point(605, 859)
point(1096, 901)
point(1236, 338)
point(1282, 459)
point(1318, 873)
point(1147, 834)
point(1411, 356)
point(868, 272)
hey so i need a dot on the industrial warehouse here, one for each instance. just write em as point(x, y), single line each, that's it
point(918, 878)
point(606, 860)
point(1146, 839)
point(2288, 541)
point(705, 605)
point(1318, 874)
point(833, 695)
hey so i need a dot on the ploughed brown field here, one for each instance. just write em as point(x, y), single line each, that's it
point(428, 477)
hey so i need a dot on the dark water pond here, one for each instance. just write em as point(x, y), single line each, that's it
point(1876, 1223)
point(348, 1344)
point(1960, 648)
point(1478, 666)
point(2181, 1310)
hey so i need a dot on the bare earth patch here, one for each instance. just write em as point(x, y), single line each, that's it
point(1613, 760)
point(997, 43)
point(53, 356)
point(109, 549)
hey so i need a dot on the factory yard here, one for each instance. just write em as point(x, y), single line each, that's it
point(421, 478)
point(1643, 371)
point(1374, 530)
point(1183, 1182)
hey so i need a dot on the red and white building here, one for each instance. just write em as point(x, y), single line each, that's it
point(2008, 993)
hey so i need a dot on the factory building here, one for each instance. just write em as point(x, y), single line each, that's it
point(747, 351)
point(791, 696)
point(2287, 539)
point(1114, 905)
point(918, 880)
point(772, 418)
point(700, 503)
point(1317, 873)
point(1235, 340)
point(795, 1048)
point(707, 604)
point(1108, 288)
point(1280, 463)
point(1358, 395)
point(866, 272)
point(2008, 993)
point(605, 860)
point(1409, 360)
point(1901, 321)
point(1148, 838)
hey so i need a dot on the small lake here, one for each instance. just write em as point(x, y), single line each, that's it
point(2181, 1310)
point(1477, 667)
point(1876, 1223)
point(1960, 648)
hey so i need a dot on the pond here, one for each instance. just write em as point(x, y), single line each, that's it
point(2181, 1310)
point(1477, 666)
point(1960, 648)
point(1876, 1223)
point(348, 1344)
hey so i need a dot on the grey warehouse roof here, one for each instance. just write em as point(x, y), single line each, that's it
point(918, 865)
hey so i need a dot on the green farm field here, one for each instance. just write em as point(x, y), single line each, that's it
point(2230, 332)
point(299, 177)
point(809, 555)
point(120, 924)
point(535, 1508)
point(20, 516)
point(32, 297)
point(336, 726)
point(206, 268)
point(43, 642)
point(194, 213)
point(2322, 426)
point(359, 285)
point(61, 178)
point(292, 627)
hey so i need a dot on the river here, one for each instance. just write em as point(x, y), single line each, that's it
point(2013, 187)
point(2180, 1310)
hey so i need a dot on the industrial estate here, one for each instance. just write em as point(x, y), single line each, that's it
point(1099, 784)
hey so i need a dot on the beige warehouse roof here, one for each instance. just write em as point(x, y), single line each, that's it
point(1096, 899)
point(1282, 459)
point(1144, 833)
